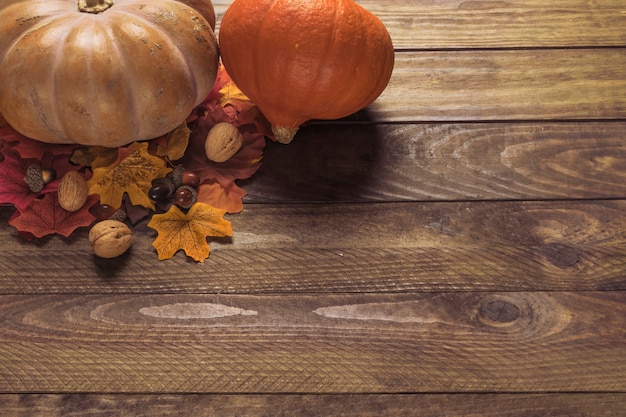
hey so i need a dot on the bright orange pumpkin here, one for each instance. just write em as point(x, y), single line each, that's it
point(107, 72)
point(305, 59)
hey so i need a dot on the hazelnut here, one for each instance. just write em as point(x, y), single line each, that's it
point(73, 191)
point(222, 142)
point(110, 238)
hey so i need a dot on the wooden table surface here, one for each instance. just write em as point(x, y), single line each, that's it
point(456, 249)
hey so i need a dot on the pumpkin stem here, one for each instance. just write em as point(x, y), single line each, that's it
point(94, 6)
point(284, 134)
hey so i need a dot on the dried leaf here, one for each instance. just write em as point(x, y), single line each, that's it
point(175, 143)
point(30, 148)
point(13, 188)
point(189, 232)
point(229, 199)
point(240, 109)
point(93, 156)
point(44, 216)
point(135, 213)
point(229, 92)
point(132, 173)
point(241, 166)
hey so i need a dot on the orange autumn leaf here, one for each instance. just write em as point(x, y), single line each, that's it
point(132, 173)
point(175, 143)
point(227, 198)
point(189, 232)
point(229, 91)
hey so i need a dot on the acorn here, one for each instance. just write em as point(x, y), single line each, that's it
point(34, 178)
point(185, 196)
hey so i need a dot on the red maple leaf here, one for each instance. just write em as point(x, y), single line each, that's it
point(30, 148)
point(135, 213)
point(14, 190)
point(241, 166)
point(44, 216)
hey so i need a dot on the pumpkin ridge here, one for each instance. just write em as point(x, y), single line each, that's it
point(45, 20)
point(192, 80)
point(51, 126)
point(58, 128)
point(180, 55)
point(88, 130)
point(138, 109)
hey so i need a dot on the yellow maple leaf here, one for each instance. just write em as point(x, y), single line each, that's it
point(189, 232)
point(132, 173)
point(176, 143)
point(93, 156)
point(230, 92)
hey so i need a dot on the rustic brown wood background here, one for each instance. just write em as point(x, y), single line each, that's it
point(456, 249)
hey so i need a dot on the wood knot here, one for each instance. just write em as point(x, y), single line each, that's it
point(499, 312)
point(563, 256)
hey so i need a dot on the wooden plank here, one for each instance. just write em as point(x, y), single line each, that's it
point(385, 247)
point(409, 162)
point(564, 84)
point(431, 342)
point(426, 405)
point(427, 24)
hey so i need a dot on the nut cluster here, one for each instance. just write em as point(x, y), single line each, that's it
point(179, 187)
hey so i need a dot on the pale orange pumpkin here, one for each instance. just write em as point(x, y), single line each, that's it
point(107, 72)
point(205, 7)
point(305, 59)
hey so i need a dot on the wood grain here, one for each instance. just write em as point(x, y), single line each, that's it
point(523, 342)
point(457, 248)
point(426, 24)
point(387, 247)
point(542, 84)
point(426, 405)
point(424, 162)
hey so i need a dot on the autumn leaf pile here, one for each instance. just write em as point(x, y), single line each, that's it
point(120, 179)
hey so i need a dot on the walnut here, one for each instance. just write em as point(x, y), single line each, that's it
point(73, 191)
point(222, 142)
point(110, 238)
